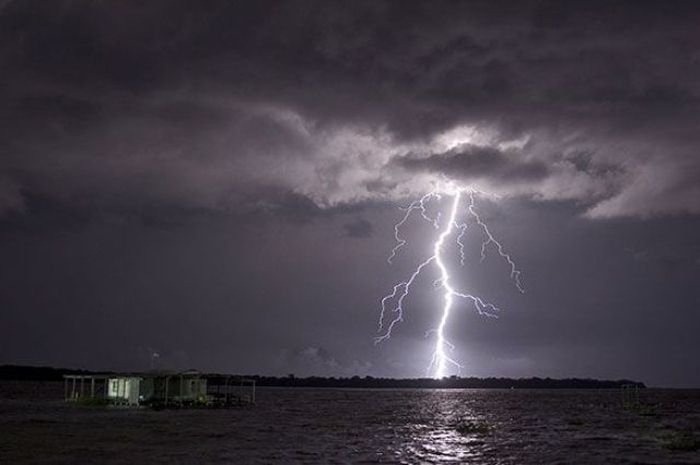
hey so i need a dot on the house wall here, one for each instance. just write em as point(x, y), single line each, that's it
point(133, 390)
point(147, 389)
point(124, 388)
point(136, 390)
point(195, 388)
point(186, 388)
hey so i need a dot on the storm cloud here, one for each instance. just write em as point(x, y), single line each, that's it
point(218, 181)
point(172, 102)
point(472, 162)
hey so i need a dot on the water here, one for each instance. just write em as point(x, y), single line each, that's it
point(356, 426)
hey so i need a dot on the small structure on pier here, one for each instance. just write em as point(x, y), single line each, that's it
point(160, 390)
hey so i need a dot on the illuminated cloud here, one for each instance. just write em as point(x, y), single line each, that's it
point(100, 107)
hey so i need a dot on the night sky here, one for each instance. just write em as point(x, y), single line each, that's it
point(218, 182)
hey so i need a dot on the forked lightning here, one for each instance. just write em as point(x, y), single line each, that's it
point(393, 302)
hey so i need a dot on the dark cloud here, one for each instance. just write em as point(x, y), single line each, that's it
point(228, 100)
point(358, 228)
point(317, 361)
point(470, 162)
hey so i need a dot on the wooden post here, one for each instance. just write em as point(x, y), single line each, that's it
point(92, 387)
point(167, 379)
point(72, 392)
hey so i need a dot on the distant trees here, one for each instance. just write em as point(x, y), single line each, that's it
point(453, 382)
point(15, 372)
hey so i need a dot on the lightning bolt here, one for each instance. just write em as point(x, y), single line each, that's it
point(393, 302)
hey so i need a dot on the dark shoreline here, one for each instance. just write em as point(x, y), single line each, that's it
point(30, 373)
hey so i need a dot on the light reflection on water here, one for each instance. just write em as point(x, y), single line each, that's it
point(443, 429)
point(357, 426)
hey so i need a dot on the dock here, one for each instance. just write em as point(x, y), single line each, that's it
point(187, 389)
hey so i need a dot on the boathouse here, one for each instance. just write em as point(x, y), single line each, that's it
point(183, 389)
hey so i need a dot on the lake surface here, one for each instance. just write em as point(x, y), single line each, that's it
point(294, 425)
